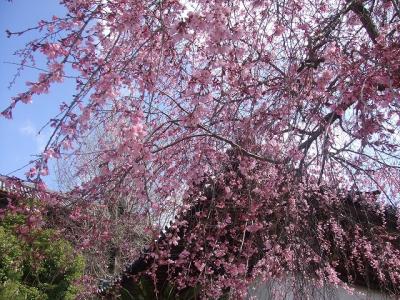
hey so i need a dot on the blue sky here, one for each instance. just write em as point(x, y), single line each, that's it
point(20, 140)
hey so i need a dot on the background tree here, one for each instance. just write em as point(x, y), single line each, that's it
point(116, 218)
point(305, 91)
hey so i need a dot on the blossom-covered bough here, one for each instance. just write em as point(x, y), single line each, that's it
point(303, 245)
point(305, 92)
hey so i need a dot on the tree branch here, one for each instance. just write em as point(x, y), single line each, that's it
point(365, 18)
point(244, 151)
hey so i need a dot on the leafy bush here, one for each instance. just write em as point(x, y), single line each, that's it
point(37, 264)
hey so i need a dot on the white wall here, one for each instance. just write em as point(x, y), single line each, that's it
point(283, 289)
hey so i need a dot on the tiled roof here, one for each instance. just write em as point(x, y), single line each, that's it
point(12, 185)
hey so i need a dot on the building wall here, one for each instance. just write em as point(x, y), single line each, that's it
point(284, 290)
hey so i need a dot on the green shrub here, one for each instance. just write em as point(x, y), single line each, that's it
point(39, 265)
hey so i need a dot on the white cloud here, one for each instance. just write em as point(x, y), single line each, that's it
point(30, 130)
